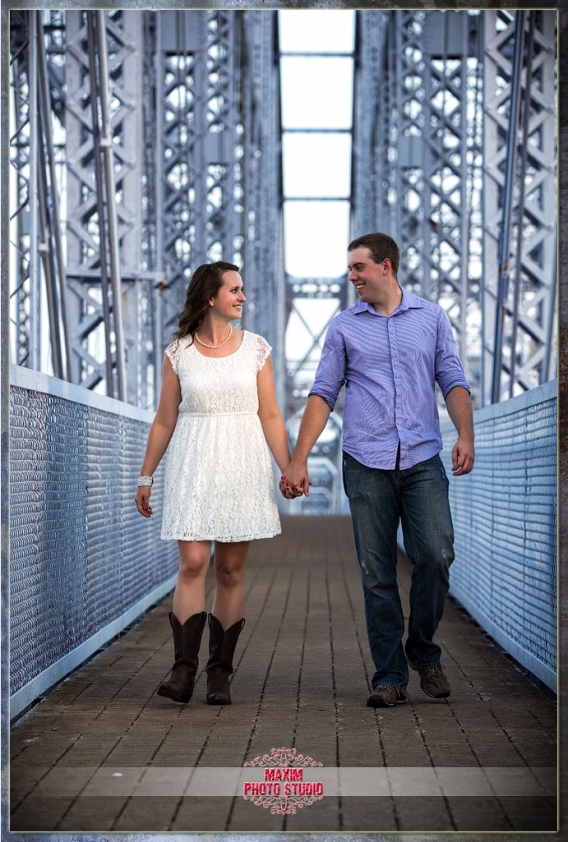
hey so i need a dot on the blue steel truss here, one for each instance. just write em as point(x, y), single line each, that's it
point(454, 150)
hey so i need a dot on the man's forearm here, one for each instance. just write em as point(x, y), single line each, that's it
point(313, 423)
point(295, 478)
point(458, 402)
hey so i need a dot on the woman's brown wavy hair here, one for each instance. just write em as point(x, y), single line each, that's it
point(205, 283)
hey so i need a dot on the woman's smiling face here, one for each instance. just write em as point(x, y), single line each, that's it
point(230, 298)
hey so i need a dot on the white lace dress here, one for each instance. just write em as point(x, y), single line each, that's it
point(219, 483)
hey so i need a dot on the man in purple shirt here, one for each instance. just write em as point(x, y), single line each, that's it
point(389, 350)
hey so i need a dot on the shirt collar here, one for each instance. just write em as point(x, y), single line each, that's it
point(409, 301)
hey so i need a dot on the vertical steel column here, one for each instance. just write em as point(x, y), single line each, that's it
point(370, 179)
point(503, 248)
point(127, 75)
point(549, 365)
point(263, 198)
point(59, 324)
point(45, 253)
point(106, 144)
point(35, 288)
point(522, 191)
point(100, 194)
point(460, 243)
point(21, 209)
point(157, 164)
point(262, 201)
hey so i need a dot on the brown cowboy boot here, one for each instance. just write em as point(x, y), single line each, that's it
point(220, 664)
point(187, 639)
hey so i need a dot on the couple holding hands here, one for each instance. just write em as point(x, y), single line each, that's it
point(218, 416)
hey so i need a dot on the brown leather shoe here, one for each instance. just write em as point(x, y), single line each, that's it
point(386, 696)
point(434, 682)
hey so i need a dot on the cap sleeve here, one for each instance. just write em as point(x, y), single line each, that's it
point(263, 350)
point(172, 352)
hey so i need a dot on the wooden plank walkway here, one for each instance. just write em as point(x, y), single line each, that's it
point(302, 680)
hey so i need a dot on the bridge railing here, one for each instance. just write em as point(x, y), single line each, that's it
point(504, 516)
point(83, 563)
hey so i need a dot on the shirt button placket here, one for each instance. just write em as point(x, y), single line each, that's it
point(399, 418)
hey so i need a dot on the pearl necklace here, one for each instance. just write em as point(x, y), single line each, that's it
point(214, 347)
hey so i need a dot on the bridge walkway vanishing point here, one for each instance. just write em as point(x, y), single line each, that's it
point(104, 753)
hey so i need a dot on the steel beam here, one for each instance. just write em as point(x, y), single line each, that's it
point(20, 175)
point(51, 224)
point(32, 199)
point(505, 233)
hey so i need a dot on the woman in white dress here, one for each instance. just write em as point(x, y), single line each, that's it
point(217, 413)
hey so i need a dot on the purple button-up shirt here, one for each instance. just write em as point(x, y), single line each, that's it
point(389, 365)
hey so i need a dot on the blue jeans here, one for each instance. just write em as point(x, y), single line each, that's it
point(378, 499)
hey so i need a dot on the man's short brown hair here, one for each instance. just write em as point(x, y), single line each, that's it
point(381, 246)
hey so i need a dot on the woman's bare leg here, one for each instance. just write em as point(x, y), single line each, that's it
point(229, 601)
point(189, 595)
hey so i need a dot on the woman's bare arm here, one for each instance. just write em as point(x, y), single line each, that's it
point(160, 434)
point(270, 417)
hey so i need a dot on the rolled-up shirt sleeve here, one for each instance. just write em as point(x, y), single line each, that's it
point(330, 374)
point(449, 371)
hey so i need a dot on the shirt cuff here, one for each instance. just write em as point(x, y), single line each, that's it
point(329, 399)
point(459, 382)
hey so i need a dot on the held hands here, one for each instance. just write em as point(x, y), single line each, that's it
point(295, 481)
point(463, 456)
point(142, 500)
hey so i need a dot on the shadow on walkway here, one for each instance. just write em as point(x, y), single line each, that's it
point(104, 753)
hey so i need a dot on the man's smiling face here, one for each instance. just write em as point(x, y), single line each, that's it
point(368, 278)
